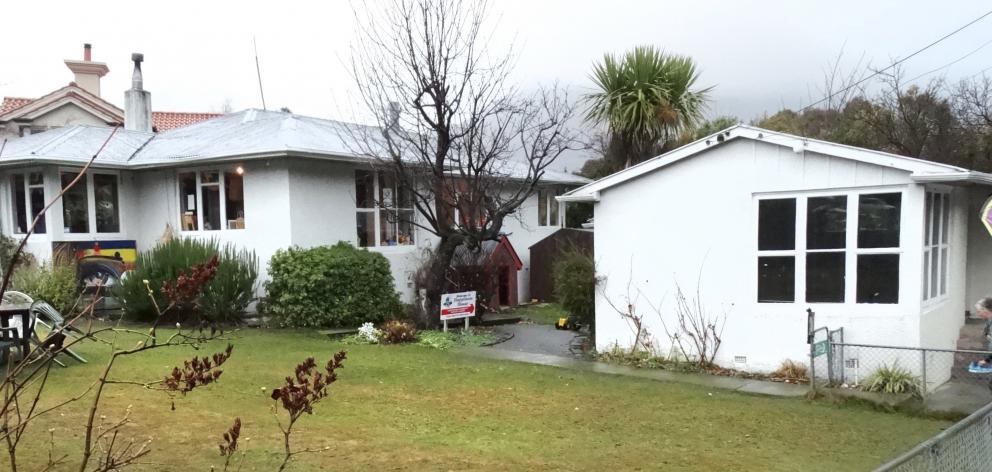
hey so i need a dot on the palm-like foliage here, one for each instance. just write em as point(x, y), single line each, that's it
point(646, 97)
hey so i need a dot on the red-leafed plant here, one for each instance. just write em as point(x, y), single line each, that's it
point(307, 387)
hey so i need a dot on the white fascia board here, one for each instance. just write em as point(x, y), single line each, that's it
point(573, 197)
point(796, 143)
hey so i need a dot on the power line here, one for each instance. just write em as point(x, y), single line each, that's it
point(896, 63)
point(949, 64)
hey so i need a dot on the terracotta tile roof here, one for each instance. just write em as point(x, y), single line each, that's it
point(13, 103)
point(166, 120)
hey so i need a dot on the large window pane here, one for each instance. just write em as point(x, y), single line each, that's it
point(75, 205)
point(404, 228)
point(366, 228)
point(945, 216)
point(878, 278)
point(936, 218)
point(777, 224)
point(776, 279)
point(20, 205)
point(878, 220)
point(364, 189)
point(188, 201)
point(105, 194)
point(387, 191)
point(234, 200)
point(826, 222)
point(387, 228)
point(825, 277)
point(552, 208)
point(542, 207)
point(210, 196)
point(37, 195)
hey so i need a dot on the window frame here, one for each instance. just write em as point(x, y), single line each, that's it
point(222, 189)
point(12, 213)
point(378, 209)
point(91, 229)
point(942, 246)
point(851, 249)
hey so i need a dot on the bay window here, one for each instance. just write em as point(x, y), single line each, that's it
point(383, 210)
point(849, 247)
point(27, 201)
point(211, 200)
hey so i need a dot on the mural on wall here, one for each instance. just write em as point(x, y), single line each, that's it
point(126, 252)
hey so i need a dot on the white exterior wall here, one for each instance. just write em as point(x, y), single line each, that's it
point(65, 115)
point(979, 259)
point(288, 202)
point(698, 218)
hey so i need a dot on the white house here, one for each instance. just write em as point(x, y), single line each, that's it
point(263, 180)
point(766, 225)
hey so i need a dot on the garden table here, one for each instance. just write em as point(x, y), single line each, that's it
point(16, 328)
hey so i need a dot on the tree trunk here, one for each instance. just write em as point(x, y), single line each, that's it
point(436, 281)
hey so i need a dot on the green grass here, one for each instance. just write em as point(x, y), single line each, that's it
point(409, 407)
point(540, 313)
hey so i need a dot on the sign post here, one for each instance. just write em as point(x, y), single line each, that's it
point(457, 305)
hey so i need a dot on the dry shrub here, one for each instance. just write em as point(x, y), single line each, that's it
point(398, 332)
point(791, 370)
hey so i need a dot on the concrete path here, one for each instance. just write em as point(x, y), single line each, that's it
point(538, 339)
point(727, 383)
point(959, 397)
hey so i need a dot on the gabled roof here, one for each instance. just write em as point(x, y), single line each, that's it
point(248, 134)
point(14, 108)
point(919, 169)
point(71, 93)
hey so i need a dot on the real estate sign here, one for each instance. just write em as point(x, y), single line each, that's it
point(457, 305)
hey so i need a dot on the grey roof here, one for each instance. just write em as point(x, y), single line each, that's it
point(246, 134)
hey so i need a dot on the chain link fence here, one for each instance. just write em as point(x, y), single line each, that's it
point(964, 447)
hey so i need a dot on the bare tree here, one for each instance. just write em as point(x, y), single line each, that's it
point(466, 147)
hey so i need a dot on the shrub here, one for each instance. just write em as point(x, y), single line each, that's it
point(330, 286)
point(397, 332)
point(791, 370)
point(55, 283)
point(223, 299)
point(892, 379)
point(574, 279)
point(471, 271)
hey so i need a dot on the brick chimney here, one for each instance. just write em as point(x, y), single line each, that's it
point(137, 100)
point(87, 73)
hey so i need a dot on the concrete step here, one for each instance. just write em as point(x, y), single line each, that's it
point(972, 335)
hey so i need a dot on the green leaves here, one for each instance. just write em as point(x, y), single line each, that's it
point(330, 286)
point(646, 96)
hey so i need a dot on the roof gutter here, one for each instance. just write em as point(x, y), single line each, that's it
point(582, 197)
point(963, 177)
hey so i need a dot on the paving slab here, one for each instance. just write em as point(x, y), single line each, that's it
point(959, 397)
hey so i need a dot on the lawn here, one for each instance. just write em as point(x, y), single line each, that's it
point(413, 408)
point(540, 313)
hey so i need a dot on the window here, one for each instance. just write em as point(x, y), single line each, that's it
point(935, 244)
point(75, 205)
point(776, 250)
point(833, 269)
point(826, 239)
point(28, 199)
point(878, 248)
point(105, 195)
point(212, 200)
point(383, 210)
point(547, 206)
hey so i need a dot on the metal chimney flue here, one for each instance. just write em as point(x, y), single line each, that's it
point(137, 101)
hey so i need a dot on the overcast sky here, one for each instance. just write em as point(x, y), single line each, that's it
point(759, 55)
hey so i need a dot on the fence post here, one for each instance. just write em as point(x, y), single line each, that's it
point(923, 363)
point(810, 317)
